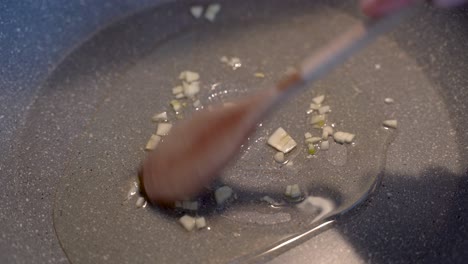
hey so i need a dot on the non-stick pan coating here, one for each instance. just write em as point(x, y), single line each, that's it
point(420, 200)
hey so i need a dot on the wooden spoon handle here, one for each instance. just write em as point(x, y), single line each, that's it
point(339, 49)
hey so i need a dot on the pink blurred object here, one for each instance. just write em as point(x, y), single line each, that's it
point(379, 8)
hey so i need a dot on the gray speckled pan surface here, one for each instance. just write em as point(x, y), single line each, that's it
point(110, 86)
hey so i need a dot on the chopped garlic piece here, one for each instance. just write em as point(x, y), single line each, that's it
point(235, 63)
point(177, 90)
point(259, 75)
point(343, 137)
point(197, 104)
point(212, 11)
point(279, 157)
point(153, 142)
point(180, 96)
point(182, 75)
point(191, 89)
point(311, 149)
point(191, 76)
point(159, 117)
point(319, 99)
point(339, 137)
point(349, 138)
point(390, 123)
point(163, 129)
point(200, 222)
point(187, 222)
point(196, 11)
point(314, 106)
point(324, 109)
point(307, 135)
point(223, 194)
point(141, 202)
point(313, 140)
point(326, 132)
point(325, 145)
point(176, 105)
point(293, 191)
point(282, 141)
point(317, 119)
point(389, 100)
point(234, 60)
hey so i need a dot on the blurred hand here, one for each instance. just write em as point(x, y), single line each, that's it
point(378, 8)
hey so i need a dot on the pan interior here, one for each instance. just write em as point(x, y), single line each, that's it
point(94, 221)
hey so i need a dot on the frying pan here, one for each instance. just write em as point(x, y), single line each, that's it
point(67, 95)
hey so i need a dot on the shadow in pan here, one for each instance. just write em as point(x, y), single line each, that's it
point(422, 219)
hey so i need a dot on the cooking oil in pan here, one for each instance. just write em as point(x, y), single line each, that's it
point(95, 217)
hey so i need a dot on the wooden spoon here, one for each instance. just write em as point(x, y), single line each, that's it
point(198, 148)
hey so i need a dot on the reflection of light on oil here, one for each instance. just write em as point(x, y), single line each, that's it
point(133, 190)
point(318, 206)
point(296, 237)
point(214, 85)
point(276, 206)
point(212, 96)
point(260, 140)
